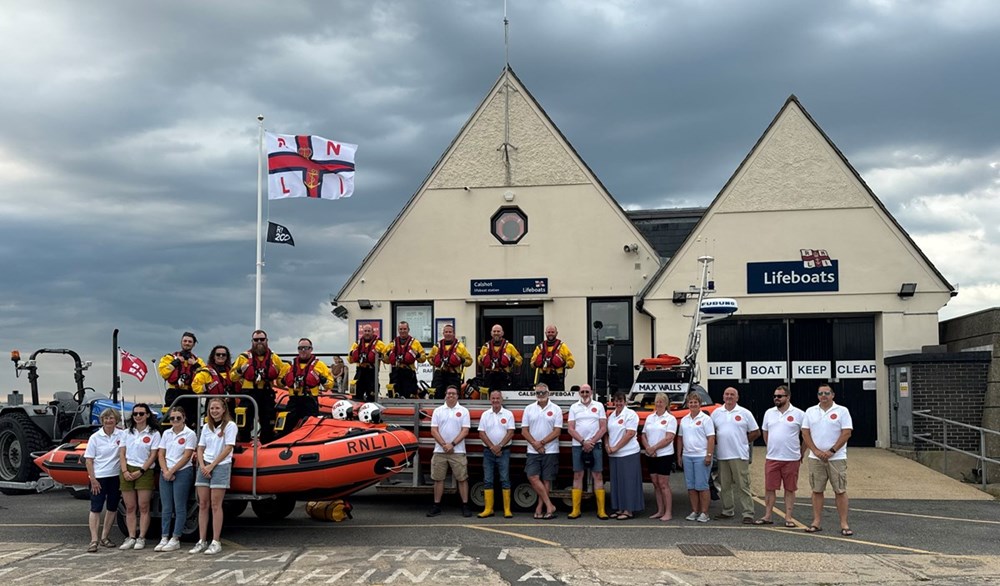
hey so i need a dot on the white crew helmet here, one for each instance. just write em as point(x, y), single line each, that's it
point(370, 413)
point(343, 410)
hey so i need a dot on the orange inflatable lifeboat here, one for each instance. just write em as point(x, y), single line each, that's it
point(321, 459)
point(660, 362)
point(324, 459)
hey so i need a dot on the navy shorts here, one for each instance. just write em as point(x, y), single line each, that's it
point(111, 493)
point(661, 465)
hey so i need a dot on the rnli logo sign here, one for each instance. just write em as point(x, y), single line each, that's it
point(814, 272)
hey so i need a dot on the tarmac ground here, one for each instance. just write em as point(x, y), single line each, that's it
point(898, 539)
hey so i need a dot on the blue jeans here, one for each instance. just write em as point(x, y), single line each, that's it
point(174, 501)
point(490, 462)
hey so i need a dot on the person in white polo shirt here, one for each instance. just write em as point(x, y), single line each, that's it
point(735, 431)
point(541, 424)
point(588, 422)
point(695, 446)
point(658, 444)
point(449, 426)
point(103, 469)
point(214, 458)
point(782, 425)
point(496, 429)
point(825, 430)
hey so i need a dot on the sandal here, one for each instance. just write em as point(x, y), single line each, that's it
point(624, 516)
point(764, 522)
point(107, 543)
point(790, 525)
point(813, 529)
point(92, 548)
point(846, 532)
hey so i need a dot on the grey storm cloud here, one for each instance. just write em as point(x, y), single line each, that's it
point(129, 144)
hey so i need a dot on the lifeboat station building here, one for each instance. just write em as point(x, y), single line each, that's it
point(512, 227)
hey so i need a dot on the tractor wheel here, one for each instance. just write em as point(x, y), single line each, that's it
point(19, 437)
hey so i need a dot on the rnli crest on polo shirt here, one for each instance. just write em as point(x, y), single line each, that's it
point(738, 418)
point(791, 419)
point(833, 416)
point(146, 440)
point(180, 441)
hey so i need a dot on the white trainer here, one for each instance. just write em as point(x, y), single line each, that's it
point(692, 517)
point(214, 548)
point(129, 544)
point(703, 518)
point(173, 545)
point(140, 543)
point(199, 547)
point(163, 541)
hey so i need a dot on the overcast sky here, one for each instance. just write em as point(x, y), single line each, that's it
point(128, 153)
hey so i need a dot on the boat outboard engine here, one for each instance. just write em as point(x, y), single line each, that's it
point(343, 410)
point(370, 413)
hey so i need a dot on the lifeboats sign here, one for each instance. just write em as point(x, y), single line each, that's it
point(535, 286)
point(815, 272)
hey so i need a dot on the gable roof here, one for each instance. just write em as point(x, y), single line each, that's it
point(792, 99)
point(507, 75)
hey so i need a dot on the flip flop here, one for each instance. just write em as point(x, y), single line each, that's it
point(846, 532)
point(813, 529)
point(539, 516)
point(624, 516)
point(789, 525)
point(763, 522)
point(549, 516)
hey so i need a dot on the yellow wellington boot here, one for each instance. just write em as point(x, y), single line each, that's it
point(599, 495)
point(488, 497)
point(577, 499)
point(506, 504)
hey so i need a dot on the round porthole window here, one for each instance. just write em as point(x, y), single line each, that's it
point(509, 225)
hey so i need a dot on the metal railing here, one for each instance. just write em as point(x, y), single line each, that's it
point(981, 456)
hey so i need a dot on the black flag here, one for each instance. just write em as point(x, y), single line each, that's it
point(279, 234)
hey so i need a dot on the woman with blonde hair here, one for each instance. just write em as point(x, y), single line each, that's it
point(215, 463)
point(658, 444)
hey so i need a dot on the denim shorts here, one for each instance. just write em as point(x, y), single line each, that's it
point(220, 477)
point(696, 472)
point(598, 452)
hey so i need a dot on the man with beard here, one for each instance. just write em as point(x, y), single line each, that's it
point(551, 359)
point(449, 358)
point(306, 376)
point(365, 353)
point(256, 370)
point(497, 357)
point(403, 355)
point(178, 369)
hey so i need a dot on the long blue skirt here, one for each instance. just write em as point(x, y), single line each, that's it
point(626, 484)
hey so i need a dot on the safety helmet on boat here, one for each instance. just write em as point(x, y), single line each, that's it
point(370, 413)
point(342, 409)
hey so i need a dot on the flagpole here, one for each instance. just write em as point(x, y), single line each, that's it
point(260, 196)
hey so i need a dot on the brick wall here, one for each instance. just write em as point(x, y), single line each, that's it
point(953, 391)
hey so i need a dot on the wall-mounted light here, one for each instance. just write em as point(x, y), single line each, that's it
point(680, 297)
point(365, 303)
point(340, 311)
point(907, 290)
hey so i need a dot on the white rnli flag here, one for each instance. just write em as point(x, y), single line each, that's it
point(309, 166)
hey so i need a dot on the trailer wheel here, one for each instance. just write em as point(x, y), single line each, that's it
point(477, 495)
point(233, 509)
point(19, 437)
point(273, 509)
point(525, 497)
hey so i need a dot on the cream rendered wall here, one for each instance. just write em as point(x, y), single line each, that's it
point(795, 191)
point(576, 232)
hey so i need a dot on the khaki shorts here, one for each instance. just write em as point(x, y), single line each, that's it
point(833, 471)
point(457, 462)
point(144, 482)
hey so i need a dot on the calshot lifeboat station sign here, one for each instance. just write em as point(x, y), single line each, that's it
point(535, 286)
point(816, 272)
